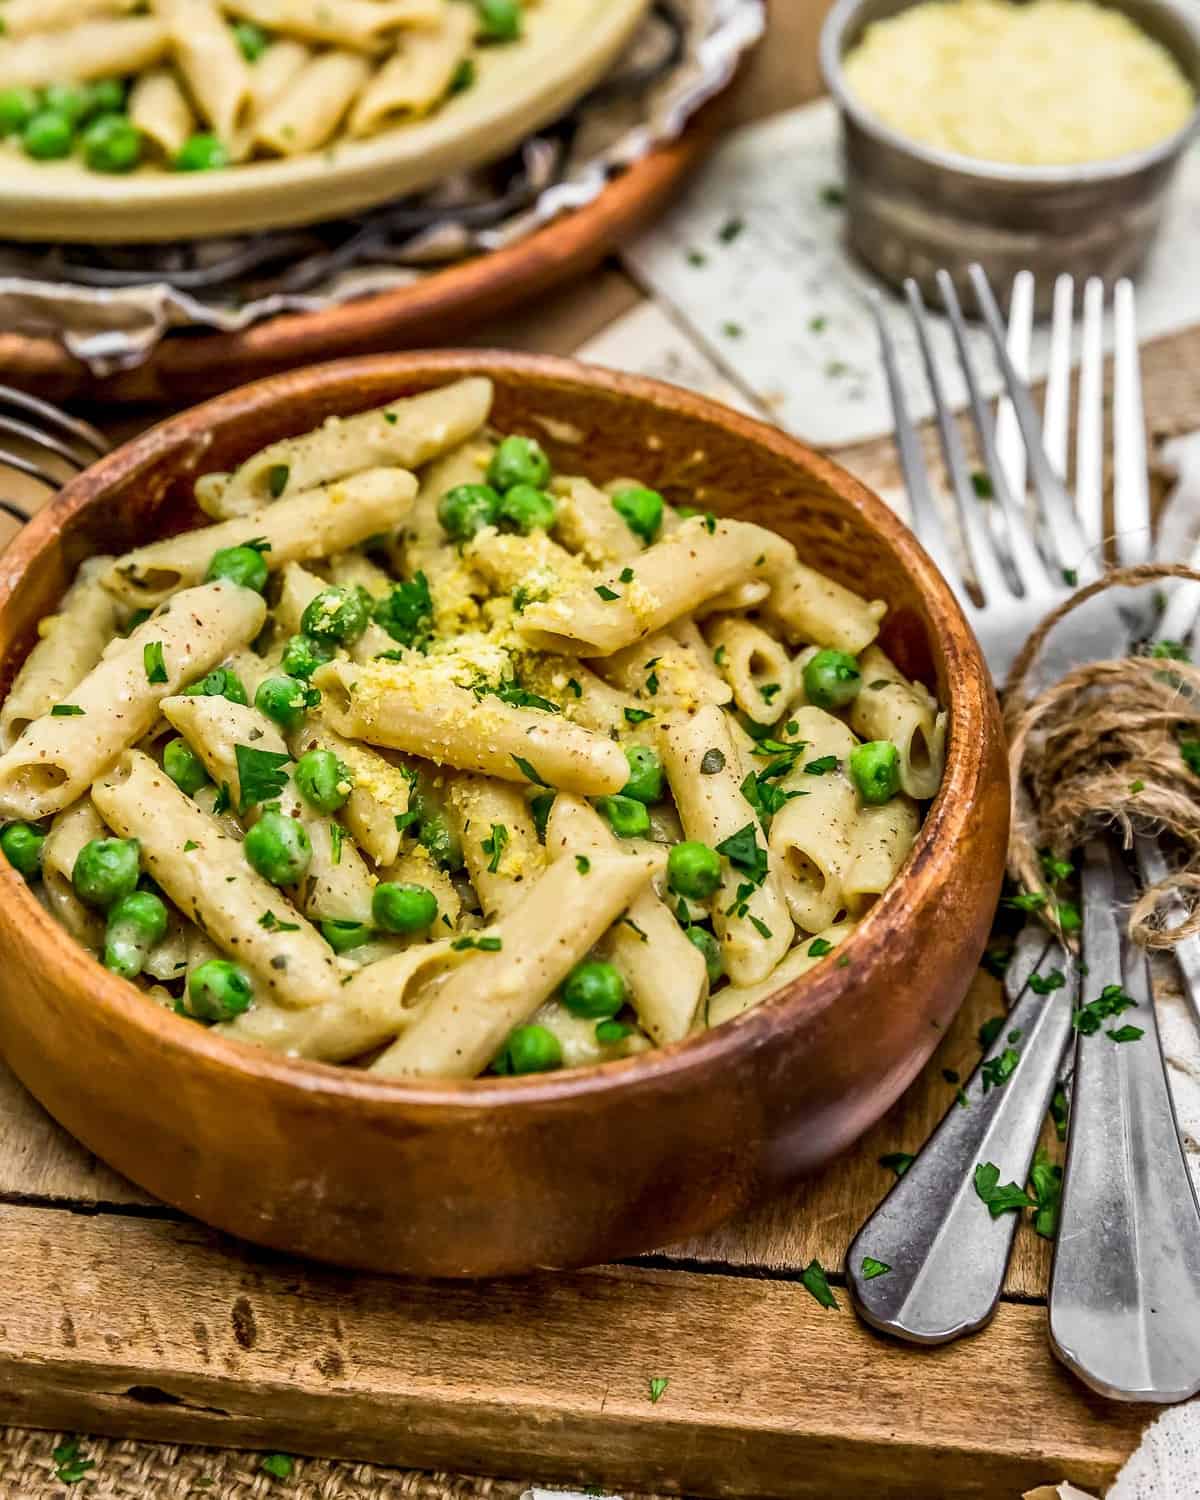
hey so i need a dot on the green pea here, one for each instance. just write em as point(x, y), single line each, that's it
point(106, 96)
point(221, 682)
point(22, 847)
point(527, 509)
point(518, 460)
point(105, 870)
point(468, 508)
point(337, 614)
point(17, 108)
point(135, 924)
point(693, 870)
point(645, 782)
point(303, 654)
point(342, 936)
point(218, 990)
point(252, 40)
point(48, 136)
point(641, 510)
point(626, 816)
point(403, 908)
point(284, 700)
point(279, 848)
point(832, 679)
point(67, 99)
point(112, 143)
point(184, 766)
point(244, 565)
point(532, 1049)
point(701, 938)
point(594, 989)
point(875, 771)
point(202, 153)
point(322, 780)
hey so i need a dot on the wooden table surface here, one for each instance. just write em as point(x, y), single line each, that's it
point(119, 1315)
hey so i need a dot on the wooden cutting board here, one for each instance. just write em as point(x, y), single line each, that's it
point(120, 1316)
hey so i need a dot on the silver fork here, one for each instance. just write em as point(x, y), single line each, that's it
point(947, 1256)
point(50, 444)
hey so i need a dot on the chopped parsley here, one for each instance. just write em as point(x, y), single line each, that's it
point(574, 688)
point(1070, 577)
point(272, 923)
point(732, 330)
point(1059, 1109)
point(223, 801)
point(277, 479)
point(990, 1030)
point(816, 1283)
point(1168, 651)
point(515, 695)
point(637, 715)
point(483, 944)
point(761, 928)
point(719, 656)
point(335, 843)
point(744, 853)
point(261, 776)
point(152, 661)
point(1056, 869)
point(763, 797)
point(495, 845)
point(996, 960)
point(658, 1386)
point(832, 195)
point(540, 807)
point(606, 593)
point(406, 820)
point(770, 691)
point(1028, 901)
point(583, 864)
point(999, 1199)
point(1190, 750)
point(821, 766)
point(70, 1465)
point(1045, 1188)
point(818, 324)
point(1045, 984)
point(872, 1268)
point(390, 418)
point(730, 230)
point(65, 711)
point(711, 762)
point(710, 522)
point(998, 1070)
point(407, 612)
point(190, 845)
point(625, 575)
point(697, 258)
point(897, 1161)
point(819, 947)
point(528, 771)
point(1126, 1034)
point(981, 483)
point(278, 1465)
point(1111, 1001)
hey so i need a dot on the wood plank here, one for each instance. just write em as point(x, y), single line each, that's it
point(153, 1329)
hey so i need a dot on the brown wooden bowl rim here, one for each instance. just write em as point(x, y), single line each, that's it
point(942, 828)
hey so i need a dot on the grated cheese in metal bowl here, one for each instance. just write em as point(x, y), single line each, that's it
point(1044, 83)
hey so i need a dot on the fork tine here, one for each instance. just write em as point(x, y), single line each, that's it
point(1030, 569)
point(979, 542)
point(1089, 434)
point(925, 520)
point(1131, 487)
point(1010, 446)
point(1061, 528)
point(1055, 422)
point(56, 418)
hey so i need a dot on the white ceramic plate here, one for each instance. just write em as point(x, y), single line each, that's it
point(567, 47)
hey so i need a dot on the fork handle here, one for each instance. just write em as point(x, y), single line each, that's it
point(947, 1255)
point(1125, 1288)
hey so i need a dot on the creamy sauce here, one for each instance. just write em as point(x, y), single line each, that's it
point(1051, 82)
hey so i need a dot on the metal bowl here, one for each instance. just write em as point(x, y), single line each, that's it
point(911, 208)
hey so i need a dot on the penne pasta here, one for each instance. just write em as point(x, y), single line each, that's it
point(216, 73)
point(70, 643)
point(736, 999)
point(499, 840)
point(160, 109)
point(883, 837)
point(23, 16)
point(589, 525)
point(424, 427)
point(360, 24)
point(464, 1022)
point(889, 707)
point(403, 708)
point(810, 607)
point(95, 49)
point(755, 665)
point(418, 75)
point(61, 753)
point(307, 525)
point(309, 109)
point(671, 578)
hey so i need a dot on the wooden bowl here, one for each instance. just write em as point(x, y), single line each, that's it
point(504, 1175)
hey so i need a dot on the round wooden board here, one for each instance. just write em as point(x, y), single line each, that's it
point(443, 305)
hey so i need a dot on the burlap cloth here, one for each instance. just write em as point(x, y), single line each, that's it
point(154, 1471)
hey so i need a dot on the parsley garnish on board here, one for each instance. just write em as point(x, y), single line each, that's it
point(815, 1281)
point(998, 1070)
point(897, 1161)
point(1126, 1034)
point(261, 776)
point(990, 1030)
point(278, 1465)
point(152, 661)
point(1044, 984)
point(999, 1199)
point(872, 1268)
point(70, 1466)
point(658, 1386)
point(730, 230)
point(495, 845)
point(1059, 1109)
point(1111, 1001)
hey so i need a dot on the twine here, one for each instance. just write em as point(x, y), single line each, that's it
point(1099, 751)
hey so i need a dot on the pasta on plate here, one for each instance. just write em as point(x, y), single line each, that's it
point(423, 758)
point(192, 85)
